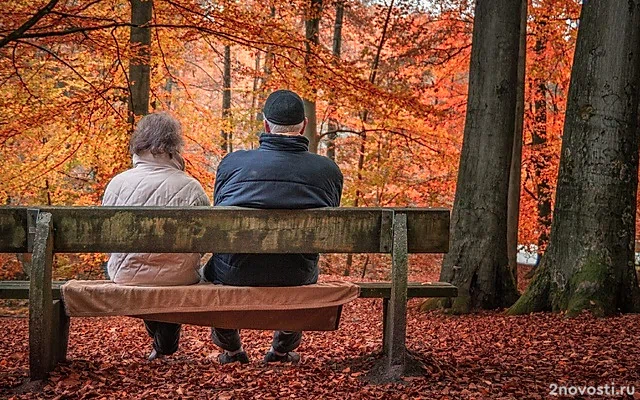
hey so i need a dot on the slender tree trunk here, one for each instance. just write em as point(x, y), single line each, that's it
point(477, 261)
point(541, 157)
point(140, 62)
point(364, 116)
point(337, 49)
point(513, 210)
point(589, 263)
point(226, 101)
point(312, 34)
point(256, 86)
point(267, 68)
point(168, 87)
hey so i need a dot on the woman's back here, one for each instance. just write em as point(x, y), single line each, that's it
point(155, 180)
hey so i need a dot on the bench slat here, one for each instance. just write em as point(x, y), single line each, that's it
point(226, 230)
point(20, 289)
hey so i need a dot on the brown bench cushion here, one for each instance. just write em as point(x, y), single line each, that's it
point(311, 307)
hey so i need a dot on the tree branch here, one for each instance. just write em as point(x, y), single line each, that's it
point(28, 24)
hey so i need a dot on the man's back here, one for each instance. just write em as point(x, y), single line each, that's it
point(280, 174)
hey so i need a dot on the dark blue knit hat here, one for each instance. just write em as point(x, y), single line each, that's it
point(283, 107)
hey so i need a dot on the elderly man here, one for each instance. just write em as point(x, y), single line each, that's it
point(281, 173)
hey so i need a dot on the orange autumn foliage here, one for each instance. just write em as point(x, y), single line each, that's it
point(64, 92)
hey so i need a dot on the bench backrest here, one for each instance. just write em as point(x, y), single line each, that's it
point(226, 229)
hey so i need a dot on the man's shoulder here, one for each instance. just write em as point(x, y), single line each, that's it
point(323, 162)
point(237, 156)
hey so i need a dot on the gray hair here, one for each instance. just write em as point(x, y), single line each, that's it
point(157, 133)
point(275, 128)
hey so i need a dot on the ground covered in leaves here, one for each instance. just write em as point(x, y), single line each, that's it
point(482, 356)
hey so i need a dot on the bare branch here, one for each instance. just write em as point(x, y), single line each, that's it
point(18, 33)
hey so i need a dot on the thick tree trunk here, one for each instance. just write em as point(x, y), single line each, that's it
point(337, 49)
point(477, 260)
point(312, 34)
point(515, 174)
point(226, 101)
point(140, 62)
point(588, 264)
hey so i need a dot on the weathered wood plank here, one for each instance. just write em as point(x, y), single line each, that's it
point(216, 230)
point(13, 230)
point(428, 229)
point(226, 229)
point(40, 301)
point(396, 327)
point(20, 289)
point(383, 290)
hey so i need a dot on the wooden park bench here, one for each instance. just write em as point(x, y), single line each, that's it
point(50, 230)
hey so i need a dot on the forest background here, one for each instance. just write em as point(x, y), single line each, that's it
point(387, 80)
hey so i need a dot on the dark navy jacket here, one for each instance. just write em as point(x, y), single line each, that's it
point(282, 174)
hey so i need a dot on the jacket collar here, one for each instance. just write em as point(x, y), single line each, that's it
point(270, 141)
point(158, 160)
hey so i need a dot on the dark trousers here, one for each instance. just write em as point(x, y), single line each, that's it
point(165, 336)
point(229, 339)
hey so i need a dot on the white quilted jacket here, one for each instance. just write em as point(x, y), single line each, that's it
point(154, 181)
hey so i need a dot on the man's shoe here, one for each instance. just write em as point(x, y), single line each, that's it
point(154, 354)
point(225, 358)
point(290, 357)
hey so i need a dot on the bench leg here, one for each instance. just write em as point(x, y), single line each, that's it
point(40, 300)
point(60, 333)
point(385, 326)
point(395, 327)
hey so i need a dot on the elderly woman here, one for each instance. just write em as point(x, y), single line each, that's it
point(156, 179)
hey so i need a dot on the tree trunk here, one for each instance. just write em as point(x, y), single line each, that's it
point(337, 48)
point(588, 264)
point(515, 174)
point(269, 59)
point(312, 34)
point(541, 157)
point(477, 261)
point(140, 62)
point(364, 116)
point(168, 87)
point(256, 86)
point(226, 101)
